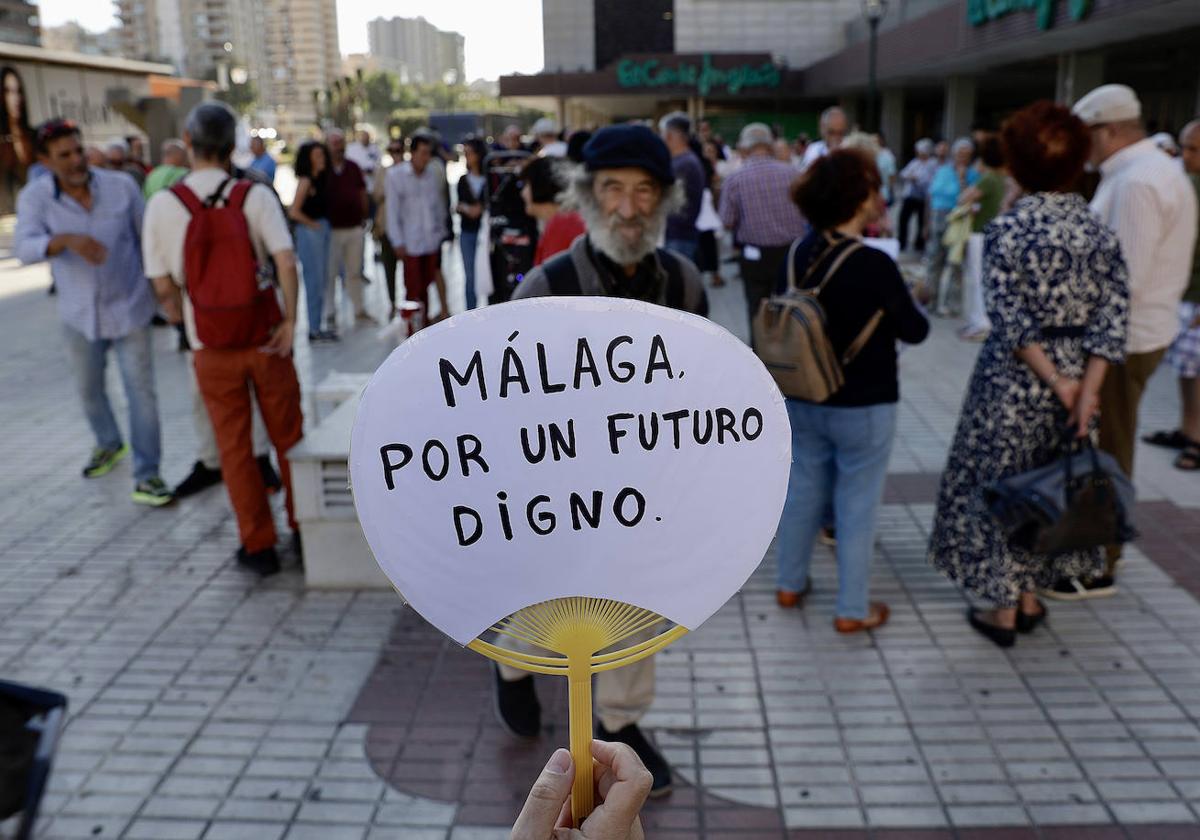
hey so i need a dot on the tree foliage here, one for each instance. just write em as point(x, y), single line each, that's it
point(242, 98)
point(379, 95)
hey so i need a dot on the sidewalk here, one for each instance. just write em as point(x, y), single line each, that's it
point(208, 704)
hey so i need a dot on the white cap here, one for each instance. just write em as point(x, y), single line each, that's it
point(1108, 104)
point(755, 134)
point(545, 125)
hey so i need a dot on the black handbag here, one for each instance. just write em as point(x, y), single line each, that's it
point(31, 722)
point(1079, 501)
point(18, 745)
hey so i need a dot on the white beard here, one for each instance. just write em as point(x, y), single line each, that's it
point(607, 238)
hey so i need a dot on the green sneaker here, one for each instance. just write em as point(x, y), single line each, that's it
point(153, 492)
point(103, 460)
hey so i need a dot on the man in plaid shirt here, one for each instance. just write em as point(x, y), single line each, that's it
point(756, 204)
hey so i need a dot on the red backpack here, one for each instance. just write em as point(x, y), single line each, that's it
point(232, 308)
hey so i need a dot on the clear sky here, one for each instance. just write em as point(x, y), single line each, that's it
point(502, 37)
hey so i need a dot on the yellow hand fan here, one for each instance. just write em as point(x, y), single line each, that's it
point(577, 630)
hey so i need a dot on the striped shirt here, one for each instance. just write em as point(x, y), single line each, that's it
point(1147, 200)
point(756, 204)
point(109, 300)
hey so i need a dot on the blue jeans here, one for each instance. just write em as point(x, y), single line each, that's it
point(312, 249)
point(135, 360)
point(838, 454)
point(467, 240)
point(683, 247)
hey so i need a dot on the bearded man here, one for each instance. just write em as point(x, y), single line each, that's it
point(624, 190)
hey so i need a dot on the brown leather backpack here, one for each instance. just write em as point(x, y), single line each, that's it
point(790, 334)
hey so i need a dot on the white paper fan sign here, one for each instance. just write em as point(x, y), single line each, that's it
point(586, 478)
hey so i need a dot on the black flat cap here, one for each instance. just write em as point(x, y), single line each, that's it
point(620, 146)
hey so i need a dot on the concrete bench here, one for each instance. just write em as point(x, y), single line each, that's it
point(335, 389)
point(336, 554)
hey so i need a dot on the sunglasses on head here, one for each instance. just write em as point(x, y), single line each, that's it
point(54, 129)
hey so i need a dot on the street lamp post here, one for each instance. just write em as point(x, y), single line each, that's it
point(874, 10)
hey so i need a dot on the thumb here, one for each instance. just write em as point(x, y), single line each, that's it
point(540, 814)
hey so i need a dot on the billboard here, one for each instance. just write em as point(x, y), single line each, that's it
point(33, 91)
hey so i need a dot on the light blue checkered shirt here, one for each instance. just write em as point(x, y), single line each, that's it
point(100, 301)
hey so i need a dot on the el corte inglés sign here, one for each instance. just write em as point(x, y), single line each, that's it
point(980, 12)
point(701, 76)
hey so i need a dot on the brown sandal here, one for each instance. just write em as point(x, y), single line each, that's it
point(877, 615)
point(788, 599)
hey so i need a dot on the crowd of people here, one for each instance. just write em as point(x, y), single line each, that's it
point(1074, 312)
point(1077, 303)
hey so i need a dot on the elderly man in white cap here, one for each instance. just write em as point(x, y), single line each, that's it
point(546, 137)
point(756, 204)
point(1146, 199)
point(1184, 355)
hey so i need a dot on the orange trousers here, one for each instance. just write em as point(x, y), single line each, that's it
point(225, 379)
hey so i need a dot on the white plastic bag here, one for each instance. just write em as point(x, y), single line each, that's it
point(708, 218)
point(484, 286)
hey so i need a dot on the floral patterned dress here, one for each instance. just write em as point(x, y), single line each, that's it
point(1049, 265)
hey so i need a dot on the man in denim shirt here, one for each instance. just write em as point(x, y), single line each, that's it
point(87, 223)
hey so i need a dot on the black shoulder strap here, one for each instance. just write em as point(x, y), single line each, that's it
point(561, 275)
point(675, 285)
point(217, 195)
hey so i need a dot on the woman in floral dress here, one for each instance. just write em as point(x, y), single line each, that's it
point(1056, 293)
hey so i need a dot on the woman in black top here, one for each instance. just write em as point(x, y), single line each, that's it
point(471, 189)
point(840, 448)
point(313, 234)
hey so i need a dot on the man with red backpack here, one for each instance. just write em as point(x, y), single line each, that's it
point(209, 243)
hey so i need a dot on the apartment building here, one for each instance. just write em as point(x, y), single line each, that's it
point(302, 56)
point(417, 51)
point(19, 23)
point(286, 49)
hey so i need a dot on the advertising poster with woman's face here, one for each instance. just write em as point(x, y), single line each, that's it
point(16, 138)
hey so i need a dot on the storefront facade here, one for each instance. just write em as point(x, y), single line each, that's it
point(608, 60)
point(720, 87)
point(947, 65)
point(944, 66)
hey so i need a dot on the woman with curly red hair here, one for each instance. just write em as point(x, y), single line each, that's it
point(1055, 288)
